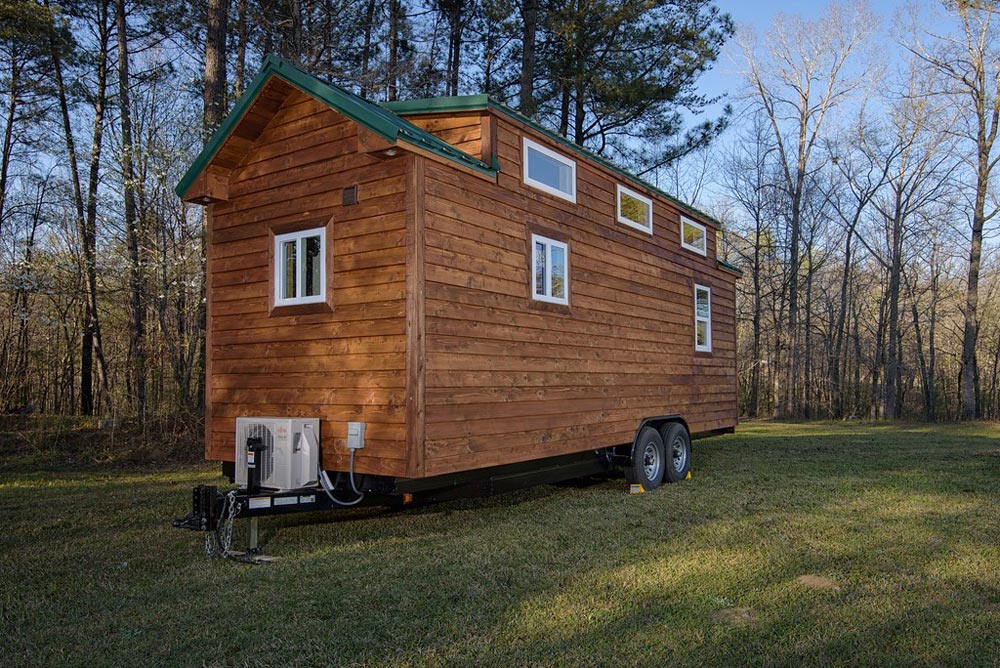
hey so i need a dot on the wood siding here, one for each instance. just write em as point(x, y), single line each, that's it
point(511, 379)
point(430, 334)
point(342, 362)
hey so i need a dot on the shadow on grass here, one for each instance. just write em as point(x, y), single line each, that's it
point(900, 521)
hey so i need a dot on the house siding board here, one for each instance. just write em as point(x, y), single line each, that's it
point(509, 382)
point(340, 366)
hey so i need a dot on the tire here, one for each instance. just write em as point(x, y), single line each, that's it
point(677, 446)
point(649, 460)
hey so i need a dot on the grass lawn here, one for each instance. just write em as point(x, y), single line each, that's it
point(800, 545)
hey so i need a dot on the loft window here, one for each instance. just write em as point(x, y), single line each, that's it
point(300, 267)
point(693, 236)
point(635, 210)
point(702, 319)
point(549, 270)
point(548, 171)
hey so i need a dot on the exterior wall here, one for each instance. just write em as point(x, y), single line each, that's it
point(509, 378)
point(463, 131)
point(341, 362)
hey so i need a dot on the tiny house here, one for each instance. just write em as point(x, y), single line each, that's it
point(471, 289)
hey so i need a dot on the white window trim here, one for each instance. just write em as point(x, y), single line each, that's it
point(279, 274)
point(642, 198)
point(707, 348)
point(704, 232)
point(549, 243)
point(526, 144)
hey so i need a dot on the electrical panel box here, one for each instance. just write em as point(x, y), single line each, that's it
point(290, 456)
point(355, 435)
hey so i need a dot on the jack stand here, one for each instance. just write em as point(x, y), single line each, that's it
point(253, 552)
point(252, 548)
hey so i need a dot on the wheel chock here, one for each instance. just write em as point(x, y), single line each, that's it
point(688, 476)
point(636, 489)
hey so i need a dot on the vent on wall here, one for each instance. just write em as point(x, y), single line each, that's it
point(350, 195)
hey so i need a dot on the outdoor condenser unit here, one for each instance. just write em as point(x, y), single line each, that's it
point(290, 451)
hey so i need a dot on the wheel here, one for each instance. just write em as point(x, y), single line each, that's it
point(648, 460)
point(677, 444)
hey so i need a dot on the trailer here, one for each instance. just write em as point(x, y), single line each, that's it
point(440, 297)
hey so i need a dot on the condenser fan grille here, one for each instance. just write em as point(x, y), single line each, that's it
point(262, 432)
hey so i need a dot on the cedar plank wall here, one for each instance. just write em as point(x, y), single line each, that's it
point(463, 131)
point(509, 379)
point(344, 365)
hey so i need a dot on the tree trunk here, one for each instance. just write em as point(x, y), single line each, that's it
point(8, 134)
point(87, 326)
point(892, 370)
point(529, 27)
point(214, 95)
point(241, 48)
point(393, 87)
point(137, 342)
point(366, 50)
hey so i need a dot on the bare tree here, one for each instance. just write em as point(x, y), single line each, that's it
point(969, 65)
point(796, 80)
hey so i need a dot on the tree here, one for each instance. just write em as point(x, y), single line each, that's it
point(802, 76)
point(969, 65)
point(615, 76)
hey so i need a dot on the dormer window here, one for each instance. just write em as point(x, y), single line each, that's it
point(548, 171)
point(693, 236)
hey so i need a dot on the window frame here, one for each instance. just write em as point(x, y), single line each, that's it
point(549, 243)
point(527, 144)
point(622, 190)
point(704, 235)
point(279, 275)
point(707, 346)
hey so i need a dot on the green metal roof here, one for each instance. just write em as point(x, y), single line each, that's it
point(730, 266)
point(379, 120)
point(480, 102)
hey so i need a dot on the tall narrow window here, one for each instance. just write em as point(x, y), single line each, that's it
point(635, 210)
point(548, 171)
point(693, 236)
point(702, 319)
point(300, 267)
point(549, 270)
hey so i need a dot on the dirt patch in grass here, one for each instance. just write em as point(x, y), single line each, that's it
point(734, 616)
point(817, 582)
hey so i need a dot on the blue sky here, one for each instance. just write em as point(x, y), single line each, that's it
point(758, 15)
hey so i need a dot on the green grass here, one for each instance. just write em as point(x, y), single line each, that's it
point(902, 521)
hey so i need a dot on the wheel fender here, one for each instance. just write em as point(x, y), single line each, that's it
point(656, 422)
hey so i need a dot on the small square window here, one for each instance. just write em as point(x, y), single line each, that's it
point(693, 236)
point(702, 319)
point(549, 270)
point(300, 267)
point(635, 210)
point(548, 171)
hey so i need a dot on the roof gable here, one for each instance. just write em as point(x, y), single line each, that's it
point(275, 81)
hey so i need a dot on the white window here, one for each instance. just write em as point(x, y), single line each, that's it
point(693, 236)
point(635, 210)
point(548, 171)
point(300, 267)
point(549, 270)
point(702, 319)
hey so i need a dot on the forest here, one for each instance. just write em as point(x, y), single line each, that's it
point(850, 162)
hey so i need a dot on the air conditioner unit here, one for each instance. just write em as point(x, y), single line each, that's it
point(290, 458)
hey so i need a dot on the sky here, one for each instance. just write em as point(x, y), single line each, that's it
point(724, 77)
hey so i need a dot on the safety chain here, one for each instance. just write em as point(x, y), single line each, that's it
point(218, 542)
